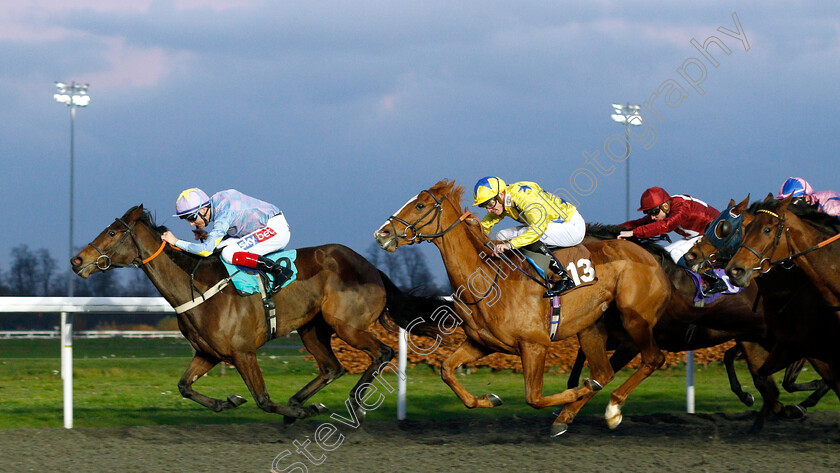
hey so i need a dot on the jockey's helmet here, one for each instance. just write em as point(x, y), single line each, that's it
point(190, 201)
point(652, 198)
point(795, 186)
point(486, 188)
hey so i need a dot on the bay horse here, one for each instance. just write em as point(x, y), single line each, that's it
point(504, 311)
point(713, 250)
point(684, 326)
point(802, 322)
point(336, 291)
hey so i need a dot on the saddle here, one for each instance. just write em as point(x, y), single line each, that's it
point(249, 281)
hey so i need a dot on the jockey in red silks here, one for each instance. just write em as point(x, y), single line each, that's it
point(826, 201)
point(244, 228)
point(682, 214)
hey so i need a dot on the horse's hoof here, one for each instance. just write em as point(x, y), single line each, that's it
point(236, 401)
point(613, 416)
point(558, 429)
point(318, 409)
point(360, 412)
point(794, 412)
point(496, 401)
point(748, 399)
point(593, 385)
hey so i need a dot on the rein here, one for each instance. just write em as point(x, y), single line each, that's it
point(438, 209)
point(781, 227)
point(103, 262)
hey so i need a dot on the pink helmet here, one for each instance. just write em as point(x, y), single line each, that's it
point(189, 201)
point(795, 186)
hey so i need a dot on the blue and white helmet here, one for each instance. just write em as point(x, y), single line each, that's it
point(190, 201)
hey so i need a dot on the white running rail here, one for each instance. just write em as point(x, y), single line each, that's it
point(67, 306)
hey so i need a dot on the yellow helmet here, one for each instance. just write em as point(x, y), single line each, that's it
point(486, 188)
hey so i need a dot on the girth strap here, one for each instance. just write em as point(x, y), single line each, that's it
point(203, 297)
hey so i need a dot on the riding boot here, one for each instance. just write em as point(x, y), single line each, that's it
point(712, 283)
point(250, 260)
point(556, 286)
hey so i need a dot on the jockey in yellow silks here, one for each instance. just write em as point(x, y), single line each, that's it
point(545, 219)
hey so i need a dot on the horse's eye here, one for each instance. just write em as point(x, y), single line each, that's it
point(420, 206)
point(723, 229)
point(767, 230)
point(112, 233)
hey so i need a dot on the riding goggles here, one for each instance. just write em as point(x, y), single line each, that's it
point(191, 217)
point(653, 211)
point(490, 203)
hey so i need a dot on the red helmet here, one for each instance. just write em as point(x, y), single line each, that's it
point(653, 197)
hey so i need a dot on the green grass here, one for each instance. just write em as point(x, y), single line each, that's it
point(119, 382)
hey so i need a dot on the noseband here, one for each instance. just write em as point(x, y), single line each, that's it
point(415, 229)
point(103, 262)
point(762, 259)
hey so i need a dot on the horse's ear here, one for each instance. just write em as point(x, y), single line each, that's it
point(739, 209)
point(731, 203)
point(769, 197)
point(784, 204)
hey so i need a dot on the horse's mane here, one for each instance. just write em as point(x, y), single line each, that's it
point(811, 215)
point(600, 231)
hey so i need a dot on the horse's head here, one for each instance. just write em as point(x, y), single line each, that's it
point(721, 239)
point(761, 242)
point(421, 218)
point(116, 246)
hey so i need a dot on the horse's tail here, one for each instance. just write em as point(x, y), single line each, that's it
point(411, 312)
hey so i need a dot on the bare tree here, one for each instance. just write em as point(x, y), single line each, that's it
point(406, 267)
point(31, 272)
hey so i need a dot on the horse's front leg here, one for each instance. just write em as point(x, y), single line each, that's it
point(729, 357)
point(467, 352)
point(199, 366)
point(248, 368)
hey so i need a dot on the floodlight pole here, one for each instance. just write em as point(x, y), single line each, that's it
point(73, 95)
point(628, 115)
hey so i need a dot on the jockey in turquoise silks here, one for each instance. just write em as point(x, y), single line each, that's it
point(244, 228)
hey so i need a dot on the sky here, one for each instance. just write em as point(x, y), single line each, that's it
point(339, 112)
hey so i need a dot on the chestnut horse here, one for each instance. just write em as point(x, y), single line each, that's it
point(505, 311)
point(336, 291)
point(801, 315)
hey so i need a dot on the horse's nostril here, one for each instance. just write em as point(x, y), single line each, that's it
point(690, 256)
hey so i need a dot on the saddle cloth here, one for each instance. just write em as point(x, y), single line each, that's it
point(698, 284)
point(246, 281)
point(578, 263)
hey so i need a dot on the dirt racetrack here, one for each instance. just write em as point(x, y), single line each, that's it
point(662, 442)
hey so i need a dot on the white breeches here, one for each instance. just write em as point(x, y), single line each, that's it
point(680, 247)
point(565, 234)
point(273, 237)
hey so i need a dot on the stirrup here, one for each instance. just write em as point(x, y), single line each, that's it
point(556, 288)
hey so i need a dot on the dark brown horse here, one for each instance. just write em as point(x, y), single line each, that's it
point(684, 326)
point(336, 292)
point(714, 250)
point(800, 312)
point(502, 310)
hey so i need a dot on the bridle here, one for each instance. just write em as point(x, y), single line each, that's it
point(762, 259)
point(420, 237)
point(415, 229)
point(104, 262)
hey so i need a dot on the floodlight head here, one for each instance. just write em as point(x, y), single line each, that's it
point(73, 95)
point(619, 118)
